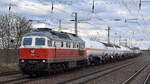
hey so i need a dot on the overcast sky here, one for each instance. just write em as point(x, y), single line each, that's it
point(133, 22)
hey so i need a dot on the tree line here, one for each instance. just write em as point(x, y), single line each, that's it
point(12, 28)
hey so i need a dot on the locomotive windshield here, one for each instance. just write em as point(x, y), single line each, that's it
point(27, 41)
point(40, 41)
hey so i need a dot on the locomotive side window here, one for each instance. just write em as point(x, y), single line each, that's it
point(27, 41)
point(80, 46)
point(67, 44)
point(74, 45)
point(54, 44)
point(62, 44)
point(49, 43)
point(40, 41)
point(77, 45)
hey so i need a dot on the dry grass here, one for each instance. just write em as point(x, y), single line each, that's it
point(8, 67)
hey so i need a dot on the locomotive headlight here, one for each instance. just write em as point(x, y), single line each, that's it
point(43, 61)
point(22, 60)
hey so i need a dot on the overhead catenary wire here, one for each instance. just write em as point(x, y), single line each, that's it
point(141, 25)
point(131, 14)
point(54, 16)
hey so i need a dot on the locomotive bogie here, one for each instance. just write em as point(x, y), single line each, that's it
point(35, 66)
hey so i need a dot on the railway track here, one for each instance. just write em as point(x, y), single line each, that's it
point(9, 73)
point(84, 78)
point(19, 79)
point(147, 80)
point(9, 79)
point(91, 76)
point(131, 78)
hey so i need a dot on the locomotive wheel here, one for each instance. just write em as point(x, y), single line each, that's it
point(64, 67)
point(58, 68)
point(33, 75)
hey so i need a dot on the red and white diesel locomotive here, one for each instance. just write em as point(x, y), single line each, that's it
point(46, 51)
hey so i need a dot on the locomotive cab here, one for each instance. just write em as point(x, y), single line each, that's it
point(33, 47)
point(45, 50)
point(33, 52)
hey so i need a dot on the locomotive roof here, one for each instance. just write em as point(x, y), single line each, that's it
point(55, 35)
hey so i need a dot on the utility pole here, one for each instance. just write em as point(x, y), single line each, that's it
point(9, 24)
point(52, 8)
point(108, 35)
point(93, 6)
point(59, 25)
point(9, 7)
point(120, 40)
point(132, 39)
point(76, 23)
point(140, 4)
point(115, 38)
point(126, 43)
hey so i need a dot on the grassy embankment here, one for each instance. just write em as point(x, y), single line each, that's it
point(8, 67)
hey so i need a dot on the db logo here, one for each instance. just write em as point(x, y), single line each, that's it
point(32, 51)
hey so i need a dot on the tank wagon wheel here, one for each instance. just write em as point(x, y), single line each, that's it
point(100, 61)
point(112, 59)
point(104, 61)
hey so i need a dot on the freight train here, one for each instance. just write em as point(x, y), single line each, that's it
point(46, 51)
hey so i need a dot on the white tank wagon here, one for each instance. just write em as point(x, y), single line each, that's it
point(98, 52)
point(136, 51)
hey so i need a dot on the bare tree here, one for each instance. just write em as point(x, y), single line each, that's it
point(4, 30)
point(22, 26)
point(12, 28)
